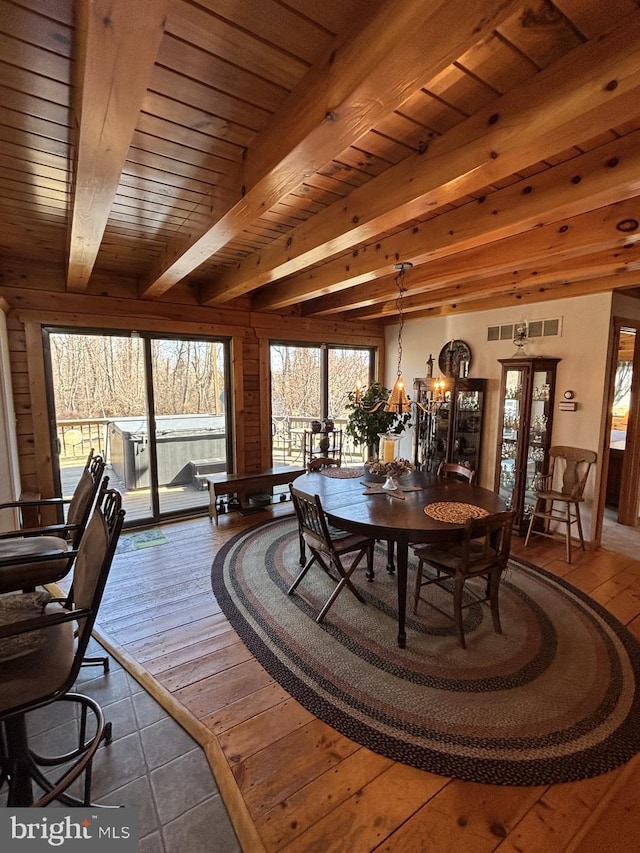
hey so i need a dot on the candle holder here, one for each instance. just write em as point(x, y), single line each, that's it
point(389, 447)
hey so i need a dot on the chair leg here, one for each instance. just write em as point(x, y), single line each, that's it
point(416, 593)
point(494, 586)
point(97, 661)
point(457, 610)
point(530, 528)
point(345, 580)
point(579, 524)
point(301, 574)
point(370, 573)
point(568, 536)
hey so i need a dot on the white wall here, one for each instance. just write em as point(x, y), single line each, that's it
point(9, 468)
point(582, 346)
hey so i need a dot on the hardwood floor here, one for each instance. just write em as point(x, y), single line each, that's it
point(292, 783)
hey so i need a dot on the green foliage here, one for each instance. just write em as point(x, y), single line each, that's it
point(364, 425)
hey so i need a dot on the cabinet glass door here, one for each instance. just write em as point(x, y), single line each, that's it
point(538, 444)
point(467, 425)
point(511, 424)
point(440, 436)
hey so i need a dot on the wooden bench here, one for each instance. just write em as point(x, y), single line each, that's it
point(244, 485)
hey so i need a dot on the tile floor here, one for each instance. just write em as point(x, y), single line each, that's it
point(152, 764)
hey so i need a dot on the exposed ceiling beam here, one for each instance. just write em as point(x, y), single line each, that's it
point(117, 44)
point(600, 265)
point(567, 238)
point(586, 93)
point(355, 86)
point(529, 295)
point(595, 179)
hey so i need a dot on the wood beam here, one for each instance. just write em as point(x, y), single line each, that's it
point(587, 92)
point(600, 177)
point(354, 86)
point(562, 240)
point(602, 265)
point(117, 46)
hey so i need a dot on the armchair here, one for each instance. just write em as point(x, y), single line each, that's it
point(42, 646)
point(78, 507)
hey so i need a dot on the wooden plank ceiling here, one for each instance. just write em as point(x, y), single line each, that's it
point(284, 155)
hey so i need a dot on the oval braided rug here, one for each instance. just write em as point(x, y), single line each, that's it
point(553, 699)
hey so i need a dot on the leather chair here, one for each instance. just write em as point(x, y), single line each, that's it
point(76, 509)
point(42, 646)
point(568, 471)
point(328, 547)
point(32, 557)
point(456, 472)
point(482, 553)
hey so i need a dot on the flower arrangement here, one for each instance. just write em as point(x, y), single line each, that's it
point(395, 468)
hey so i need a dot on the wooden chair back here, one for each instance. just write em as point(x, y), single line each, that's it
point(456, 471)
point(569, 469)
point(487, 543)
point(312, 520)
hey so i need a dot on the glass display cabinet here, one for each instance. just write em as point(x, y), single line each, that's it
point(527, 393)
point(452, 430)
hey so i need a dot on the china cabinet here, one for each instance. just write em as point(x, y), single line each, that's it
point(452, 429)
point(527, 392)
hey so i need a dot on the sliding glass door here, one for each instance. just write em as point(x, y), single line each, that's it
point(153, 406)
point(189, 419)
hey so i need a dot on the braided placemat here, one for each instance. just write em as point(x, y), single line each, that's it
point(342, 473)
point(453, 512)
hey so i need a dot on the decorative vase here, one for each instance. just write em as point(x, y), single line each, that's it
point(316, 426)
point(390, 484)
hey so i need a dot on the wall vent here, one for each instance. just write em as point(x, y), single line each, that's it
point(536, 329)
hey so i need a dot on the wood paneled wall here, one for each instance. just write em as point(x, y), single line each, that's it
point(43, 302)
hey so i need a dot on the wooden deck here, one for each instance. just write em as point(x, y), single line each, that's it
point(291, 782)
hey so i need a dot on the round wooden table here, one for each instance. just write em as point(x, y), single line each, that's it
point(397, 520)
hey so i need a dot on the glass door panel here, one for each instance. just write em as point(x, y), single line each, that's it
point(538, 444)
point(295, 400)
point(346, 368)
point(190, 420)
point(100, 402)
point(467, 428)
point(512, 405)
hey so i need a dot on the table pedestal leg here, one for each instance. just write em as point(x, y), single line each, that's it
point(402, 561)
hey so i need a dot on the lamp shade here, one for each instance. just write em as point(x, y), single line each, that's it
point(398, 401)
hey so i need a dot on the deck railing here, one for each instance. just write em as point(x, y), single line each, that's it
point(77, 437)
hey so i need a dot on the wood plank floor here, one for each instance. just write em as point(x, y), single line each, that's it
point(292, 783)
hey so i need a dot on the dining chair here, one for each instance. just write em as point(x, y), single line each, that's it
point(42, 645)
point(456, 472)
point(482, 553)
point(328, 547)
point(76, 509)
point(568, 471)
point(32, 558)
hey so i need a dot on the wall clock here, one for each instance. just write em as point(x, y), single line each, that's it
point(454, 359)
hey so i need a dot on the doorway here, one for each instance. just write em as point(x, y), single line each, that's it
point(154, 406)
point(622, 495)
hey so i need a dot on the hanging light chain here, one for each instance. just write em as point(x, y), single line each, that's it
point(401, 291)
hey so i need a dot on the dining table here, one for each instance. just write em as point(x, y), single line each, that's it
point(359, 505)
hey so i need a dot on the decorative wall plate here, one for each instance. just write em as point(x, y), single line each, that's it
point(452, 355)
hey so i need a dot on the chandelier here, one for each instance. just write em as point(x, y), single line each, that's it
point(399, 402)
